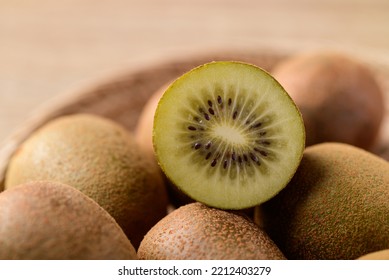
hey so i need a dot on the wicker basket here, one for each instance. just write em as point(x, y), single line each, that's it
point(122, 96)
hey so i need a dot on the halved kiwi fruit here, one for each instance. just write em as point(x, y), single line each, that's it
point(228, 135)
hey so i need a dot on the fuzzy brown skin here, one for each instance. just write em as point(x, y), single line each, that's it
point(195, 231)
point(378, 255)
point(45, 220)
point(144, 127)
point(144, 137)
point(102, 160)
point(339, 97)
point(335, 207)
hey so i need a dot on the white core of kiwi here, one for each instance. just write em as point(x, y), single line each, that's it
point(228, 135)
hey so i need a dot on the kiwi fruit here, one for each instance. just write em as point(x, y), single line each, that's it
point(101, 159)
point(143, 135)
point(335, 207)
point(46, 220)
point(144, 126)
point(381, 147)
point(228, 135)
point(196, 231)
point(339, 97)
point(378, 255)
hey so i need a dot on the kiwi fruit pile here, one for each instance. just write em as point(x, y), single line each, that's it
point(227, 161)
point(101, 159)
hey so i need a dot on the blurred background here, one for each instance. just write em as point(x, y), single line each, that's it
point(49, 47)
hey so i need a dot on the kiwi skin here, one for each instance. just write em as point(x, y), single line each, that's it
point(378, 255)
point(335, 207)
point(47, 220)
point(144, 126)
point(195, 231)
point(339, 97)
point(144, 137)
point(101, 159)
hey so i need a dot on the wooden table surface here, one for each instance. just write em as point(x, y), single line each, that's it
point(49, 47)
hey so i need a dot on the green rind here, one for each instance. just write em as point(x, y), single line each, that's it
point(176, 164)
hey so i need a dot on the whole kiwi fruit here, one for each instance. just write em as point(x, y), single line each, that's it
point(196, 231)
point(339, 96)
point(144, 137)
point(101, 159)
point(335, 207)
point(144, 126)
point(46, 220)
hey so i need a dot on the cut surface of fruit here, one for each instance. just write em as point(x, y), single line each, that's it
point(228, 135)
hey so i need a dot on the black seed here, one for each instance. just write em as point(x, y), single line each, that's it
point(210, 103)
point(208, 145)
point(262, 133)
point(213, 163)
point(254, 158)
point(208, 155)
point(191, 127)
point(262, 152)
point(229, 101)
point(256, 125)
point(225, 164)
point(265, 142)
point(233, 156)
point(240, 159)
point(206, 116)
point(211, 111)
point(219, 99)
point(235, 115)
point(245, 158)
point(197, 119)
point(197, 146)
